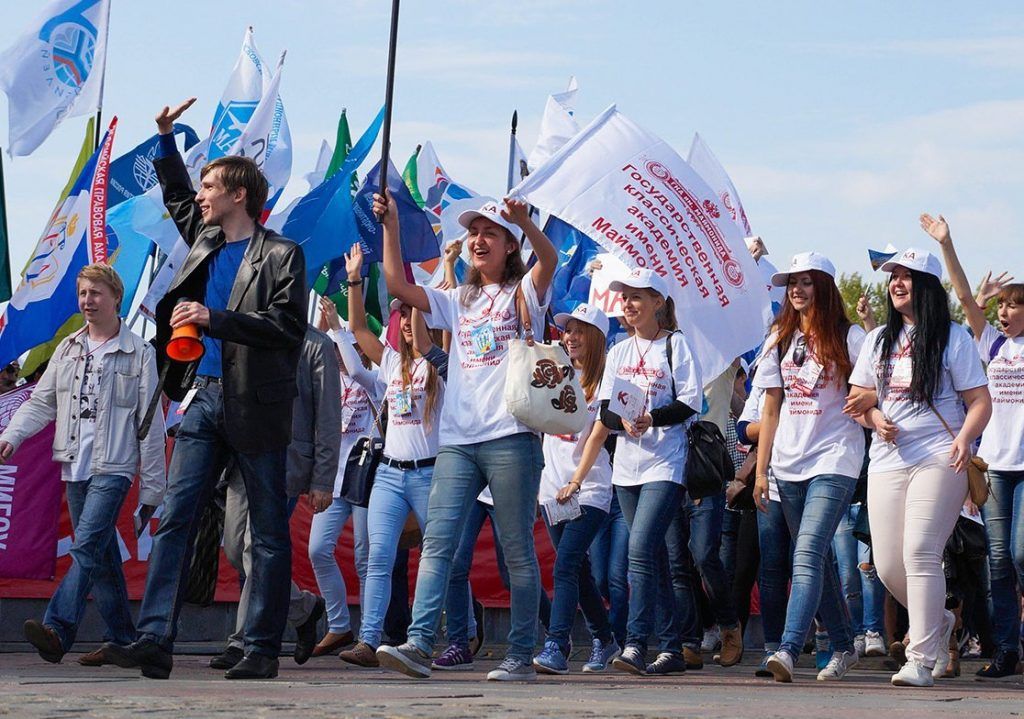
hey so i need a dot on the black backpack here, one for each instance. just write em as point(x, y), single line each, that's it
point(709, 466)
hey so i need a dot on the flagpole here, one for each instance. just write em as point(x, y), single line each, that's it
point(512, 151)
point(103, 80)
point(389, 94)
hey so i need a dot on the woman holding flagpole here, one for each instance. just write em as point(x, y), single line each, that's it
point(482, 444)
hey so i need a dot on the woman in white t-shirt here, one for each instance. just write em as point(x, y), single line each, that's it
point(482, 444)
point(1002, 443)
point(924, 369)
point(578, 473)
point(360, 401)
point(414, 392)
point(651, 389)
point(815, 451)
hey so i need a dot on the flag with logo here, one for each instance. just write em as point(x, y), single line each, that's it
point(705, 164)
point(55, 70)
point(74, 237)
point(442, 196)
point(633, 195)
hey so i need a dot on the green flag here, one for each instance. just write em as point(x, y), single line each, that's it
point(410, 179)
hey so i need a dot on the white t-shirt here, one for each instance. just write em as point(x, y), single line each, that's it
point(921, 434)
point(1002, 443)
point(752, 409)
point(91, 363)
point(659, 454)
point(409, 436)
point(814, 437)
point(562, 453)
point(357, 417)
point(474, 407)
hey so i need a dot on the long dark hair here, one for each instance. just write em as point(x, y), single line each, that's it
point(928, 339)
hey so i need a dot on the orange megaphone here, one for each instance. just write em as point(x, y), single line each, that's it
point(185, 344)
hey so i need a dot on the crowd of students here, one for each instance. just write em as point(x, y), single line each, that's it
point(829, 425)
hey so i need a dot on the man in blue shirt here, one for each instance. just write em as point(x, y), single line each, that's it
point(244, 287)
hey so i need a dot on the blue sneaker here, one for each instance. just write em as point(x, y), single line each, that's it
point(551, 660)
point(822, 650)
point(600, 655)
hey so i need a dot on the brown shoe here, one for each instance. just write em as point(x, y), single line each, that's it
point(732, 647)
point(362, 655)
point(898, 651)
point(693, 659)
point(45, 640)
point(94, 658)
point(332, 644)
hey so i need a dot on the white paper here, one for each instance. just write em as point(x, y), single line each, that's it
point(627, 400)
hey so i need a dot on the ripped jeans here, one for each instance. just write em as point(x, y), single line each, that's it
point(864, 592)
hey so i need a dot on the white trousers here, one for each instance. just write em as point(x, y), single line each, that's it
point(912, 512)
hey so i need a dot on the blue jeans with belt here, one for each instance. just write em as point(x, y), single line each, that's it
point(813, 509)
point(1004, 524)
point(511, 467)
point(201, 451)
point(95, 562)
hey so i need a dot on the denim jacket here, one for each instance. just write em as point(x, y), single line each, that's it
point(128, 378)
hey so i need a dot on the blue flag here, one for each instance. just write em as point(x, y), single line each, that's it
point(877, 259)
point(419, 243)
point(571, 284)
point(132, 173)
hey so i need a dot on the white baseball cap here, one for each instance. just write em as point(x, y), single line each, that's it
point(396, 304)
point(584, 313)
point(915, 259)
point(804, 262)
point(641, 278)
point(489, 209)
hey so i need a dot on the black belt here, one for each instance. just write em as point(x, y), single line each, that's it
point(409, 463)
point(205, 380)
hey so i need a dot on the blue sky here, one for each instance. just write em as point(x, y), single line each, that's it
point(839, 123)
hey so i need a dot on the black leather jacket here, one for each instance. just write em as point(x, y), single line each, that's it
point(261, 331)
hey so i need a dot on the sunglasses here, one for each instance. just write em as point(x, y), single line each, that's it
point(800, 352)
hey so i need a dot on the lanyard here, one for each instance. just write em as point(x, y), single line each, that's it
point(492, 298)
point(347, 391)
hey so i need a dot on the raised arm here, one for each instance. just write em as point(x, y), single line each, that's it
point(939, 230)
point(178, 193)
point(518, 212)
point(394, 268)
point(369, 343)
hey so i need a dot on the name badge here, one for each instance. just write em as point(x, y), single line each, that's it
point(807, 378)
point(902, 372)
point(401, 401)
point(189, 396)
point(482, 336)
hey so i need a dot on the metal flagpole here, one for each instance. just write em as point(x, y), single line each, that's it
point(389, 94)
point(512, 152)
point(103, 81)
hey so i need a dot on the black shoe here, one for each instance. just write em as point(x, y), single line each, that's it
point(631, 661)
point(1004, 664)
point(253, 666)
point(306, 633)
point(227, 659)
point(155, 663)
point(667, 663)
point(45, 640)
point(478, 616)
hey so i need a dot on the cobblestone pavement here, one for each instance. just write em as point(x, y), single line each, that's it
point(326, 688)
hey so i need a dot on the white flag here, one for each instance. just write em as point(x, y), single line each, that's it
point(704, 162)
point(557, 125)
point(55, 70)
point(636, 197)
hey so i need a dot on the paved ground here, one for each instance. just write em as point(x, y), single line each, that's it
point(326, 688)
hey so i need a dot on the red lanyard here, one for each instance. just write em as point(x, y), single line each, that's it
point(493, 299)
point(347, 390)
point(640, 362)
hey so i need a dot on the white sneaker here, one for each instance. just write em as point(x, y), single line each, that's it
point(859, 645)
point(513, 669)
point(913, 674)
point(874, 645)
point(838, 665)
point(942, 657)
point(780, 664)
point(712, 639)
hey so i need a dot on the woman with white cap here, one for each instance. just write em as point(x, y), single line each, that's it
point(578, 472)
point(815, 451)
point(481, 443)
point(924, 369)
point(650, 390)
point(1002, 350)
point(414, 391)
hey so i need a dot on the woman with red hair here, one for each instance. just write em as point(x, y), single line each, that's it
point(815, 451)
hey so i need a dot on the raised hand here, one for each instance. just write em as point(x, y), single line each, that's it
point(517, 212)
point(329, 315)
point(354, 262)
point(937, 228)
point(385, 209)
point(452, 252)
point(756, 247)
point(166, 118)
point(990, 288)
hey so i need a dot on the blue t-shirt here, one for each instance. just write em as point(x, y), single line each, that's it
point(223, 268)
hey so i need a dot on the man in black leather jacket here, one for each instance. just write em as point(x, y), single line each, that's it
point(244, 287)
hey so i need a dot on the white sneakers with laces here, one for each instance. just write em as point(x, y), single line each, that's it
point(838, 665)
point(913, 674)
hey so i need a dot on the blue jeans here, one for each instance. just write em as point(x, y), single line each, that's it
point(649, 509)
point(1004, 524)
point(95, 562)
point(201, 451)
point(776, 547)
point(396, 492)
point(574, 584)
point(706, 517)
point(813, 509)
point(609, 562)
point(865, 595)
point(324, 531)
point(511, 467)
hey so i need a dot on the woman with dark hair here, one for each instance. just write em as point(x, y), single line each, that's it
point(1002, 350)
point(924, 370)
point(814, 450)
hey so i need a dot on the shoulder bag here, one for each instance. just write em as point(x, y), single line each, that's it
point(361, 464)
